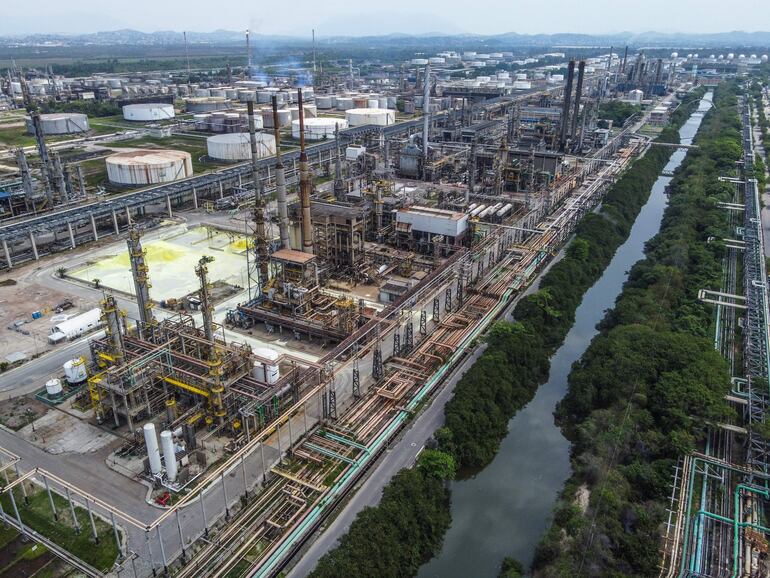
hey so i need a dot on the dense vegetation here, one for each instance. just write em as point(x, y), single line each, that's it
point(617, 111)
point(408, 525)
point(516, 360)
point(403, 531)
point(649, 382)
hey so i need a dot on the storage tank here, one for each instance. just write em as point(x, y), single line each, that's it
point(169, 454)
point(284, 118)
point(53, 388)
point(318, 128)
point(153, 453)
point(208, 104)
point(323, 102)
point(247, 96)
point(377, 116)
point(148, 112)
point(636, 96)
point(80, 324)
point(60, 123)
point(201, 121)
point(75, 371)
point(310, 111)
point(234, 147)
point(270, 371)
point(522, 84)
point(344, 103)
point(148, 166)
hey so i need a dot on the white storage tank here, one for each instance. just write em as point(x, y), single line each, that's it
point(344, 102)
point(148, 112)
point(270, 372)
point(318, 128)
point(153, 452)
point(376, 116)
point(522, 84)
point(310, 111)
point(284, 118)
point(169, 454)
point(636, 96)
point(75, 371)
point(53, 388)
point(234, 147)
point(148, 166)
point(60, 123)
point(208, 104)
point(324, 102)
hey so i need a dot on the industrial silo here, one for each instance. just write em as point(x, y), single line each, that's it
point(235, 147)
point(60, 123)
point(148, 167)
point(148, 112)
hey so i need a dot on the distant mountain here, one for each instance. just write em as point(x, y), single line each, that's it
point(651, 39)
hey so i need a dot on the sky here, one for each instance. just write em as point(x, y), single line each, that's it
point(354, 18)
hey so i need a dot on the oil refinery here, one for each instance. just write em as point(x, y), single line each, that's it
point(229, 297)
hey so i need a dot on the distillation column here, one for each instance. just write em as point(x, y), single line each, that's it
point(111, 315)
point(565, 105)
point(142, 284)
point(339, 186)
point(304, 182)
point(280, 181)
point(216, 387)
point(260, 240)
point(425, 118)
point(578, 95)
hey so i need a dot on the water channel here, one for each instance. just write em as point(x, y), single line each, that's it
point(505, 509)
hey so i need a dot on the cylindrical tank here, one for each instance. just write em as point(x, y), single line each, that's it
point(201, 121)
point(373, 103)
point(75, 371)
point(53, 388)
point(236, 146)
point(218, 92)
point(284, 118)
point(360, 101)
point(318, 128)
point(311, 111)
point(147, 167)
point(271, 370)
point(344, 103)
point(148, 111)
point(323, 102)
point(382, 102)
point(377, 116)
point(208, 104)
point(151, 441)
point(169, 455)
point(60, 123)
point(247, 95)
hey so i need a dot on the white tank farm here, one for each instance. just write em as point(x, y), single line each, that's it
point(266, 372)
point(53, 388)
point(318, 128)
point(75, 371)
point(60, 123)
point(148, 111)
point(148, 167)
point(377, 116)
point(234, 147)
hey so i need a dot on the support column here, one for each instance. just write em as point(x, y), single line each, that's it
point(221, 190)
point(116, 533)
point(72, 512)
point(16, 513)
point(168, 206)
point(7, 254)
point(162, 550)
point(34, 246)
point(181, 536)
point(203, 514)
point(115, 222)
point(224, 492)
point(195, 197)
point(72, 235)
point(93, 228)
point(91, 519)
point(128, 216)
point(50, 499)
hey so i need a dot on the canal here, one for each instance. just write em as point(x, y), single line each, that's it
point(504, 509)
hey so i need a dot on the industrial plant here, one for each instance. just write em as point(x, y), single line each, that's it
point(236, 292)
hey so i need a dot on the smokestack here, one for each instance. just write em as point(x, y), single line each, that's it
point(578, 95)
point(566, 104)
point(625, 58)
point(339, 186)
point(425, 116)
point(304, 181)
point(260, 241)
point(659, 72)
point(248, 55)
point(280, 181)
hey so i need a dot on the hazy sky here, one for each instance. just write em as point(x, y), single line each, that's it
point(332, 17)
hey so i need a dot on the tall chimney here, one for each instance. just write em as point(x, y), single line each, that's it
point(566, 104)
point(248, 55)
point(625, 58)
point(304, 181)
point(280, 181)
point(425, 116)
point(578, 95)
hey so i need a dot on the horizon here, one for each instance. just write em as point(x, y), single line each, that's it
point(432, 17)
